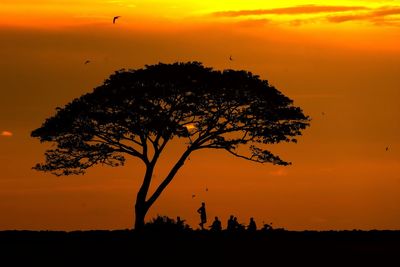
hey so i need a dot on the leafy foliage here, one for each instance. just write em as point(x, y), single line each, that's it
point(136, 112)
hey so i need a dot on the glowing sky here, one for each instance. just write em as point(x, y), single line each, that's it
point(6, 133)
point(338, 60)
point(55, 12)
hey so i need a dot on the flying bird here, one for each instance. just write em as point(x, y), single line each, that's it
point(87, 61)
point(115, 18)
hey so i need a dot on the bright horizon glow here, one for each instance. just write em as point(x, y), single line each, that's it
point(51, 13)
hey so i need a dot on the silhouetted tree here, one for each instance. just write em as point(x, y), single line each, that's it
point(137, 112)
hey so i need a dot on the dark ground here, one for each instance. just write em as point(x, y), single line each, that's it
point(195, 248)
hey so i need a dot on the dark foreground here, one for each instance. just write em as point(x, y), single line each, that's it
point(195, 248)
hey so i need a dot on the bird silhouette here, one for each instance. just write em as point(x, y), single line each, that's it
point(115, 18)
point(230, 58)
point(87, 61)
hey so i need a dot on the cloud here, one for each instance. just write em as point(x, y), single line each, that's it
point(378, 16)
point(253, 22)
point(120, 3)
point(339, 19)
point(375, 16)
point(6, 133)
point(306, 9)
point(387, 11)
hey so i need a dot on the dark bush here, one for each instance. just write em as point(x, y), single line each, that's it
point(166, 224)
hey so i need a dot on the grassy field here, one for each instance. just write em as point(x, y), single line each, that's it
point(196, 248)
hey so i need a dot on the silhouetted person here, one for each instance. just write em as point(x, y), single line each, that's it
point(231, 224)
point(216, 226)
point(235, 223)
point(267, 227)
point(238, 226)
point(203, 215)
point(252, 227)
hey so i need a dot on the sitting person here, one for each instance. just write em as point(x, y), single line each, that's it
point(216, 225)
point(231, 224)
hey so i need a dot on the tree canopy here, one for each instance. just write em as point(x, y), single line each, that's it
point(163, 101)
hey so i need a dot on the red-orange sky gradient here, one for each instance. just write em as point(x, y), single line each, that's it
point(338, 60)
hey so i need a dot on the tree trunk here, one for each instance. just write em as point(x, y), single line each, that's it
point(140, 214)
point(141, 206)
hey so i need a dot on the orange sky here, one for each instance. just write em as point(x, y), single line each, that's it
point(337, 57)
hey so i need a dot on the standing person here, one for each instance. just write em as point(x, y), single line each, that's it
point(203, 215)
point(252, 227)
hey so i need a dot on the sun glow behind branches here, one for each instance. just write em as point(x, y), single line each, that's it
point(190, 127)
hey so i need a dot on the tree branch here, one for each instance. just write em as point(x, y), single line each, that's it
point(124, 148)
point(169, 177)
point(144, 145)
point(244, 157)
point(158, 151)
